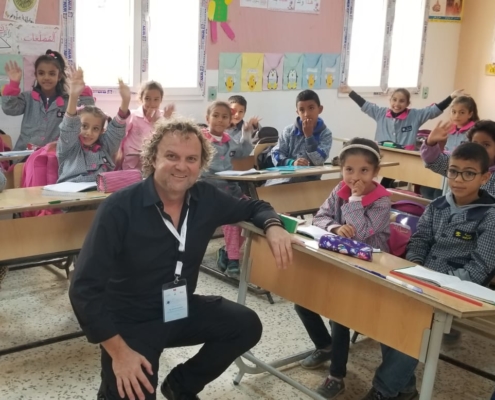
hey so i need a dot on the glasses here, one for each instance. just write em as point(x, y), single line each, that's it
point(466, 175)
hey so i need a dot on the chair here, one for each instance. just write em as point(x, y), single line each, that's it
point(266, 134)
point(18, 170)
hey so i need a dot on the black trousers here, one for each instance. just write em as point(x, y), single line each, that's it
point(226, 329)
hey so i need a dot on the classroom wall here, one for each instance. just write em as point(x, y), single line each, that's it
point(475, 49)
point(341, 115)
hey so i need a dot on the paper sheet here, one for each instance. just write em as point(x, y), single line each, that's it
point(36, 39)
point(254, 3)
point(281, 5)
point(308, 6)
point(21, 10)
point(8, 38)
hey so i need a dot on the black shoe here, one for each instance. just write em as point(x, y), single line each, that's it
point(170, 391)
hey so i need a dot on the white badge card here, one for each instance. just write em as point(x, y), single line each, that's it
point(175, 304)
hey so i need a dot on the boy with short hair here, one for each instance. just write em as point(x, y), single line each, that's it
point(308, 141)
point(455, 237)
point(238, 105)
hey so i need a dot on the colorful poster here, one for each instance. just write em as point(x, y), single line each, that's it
point(28, 71)
point(282, 5)
point(273, 70)
point(254, 3)
point(4, 59)
point(229, 73)
point(293, 71)
point(21, 11)
point(446, 10)
point(308, 6)
point(8, 38)
point(311, 76)
point(330, 71)
point(36, 39)
point(252, 72)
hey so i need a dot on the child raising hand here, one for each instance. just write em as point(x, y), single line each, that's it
point(84, 147)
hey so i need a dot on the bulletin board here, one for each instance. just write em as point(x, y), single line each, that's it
point(26, 35)
point(264, 31)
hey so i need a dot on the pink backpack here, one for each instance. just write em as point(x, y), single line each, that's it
point(40, 169)
point(404, 219)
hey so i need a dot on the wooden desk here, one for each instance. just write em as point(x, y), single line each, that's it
point(411, 168)
point(243, 164)
point(52, 235)
point(329, 284)
point(302, 197)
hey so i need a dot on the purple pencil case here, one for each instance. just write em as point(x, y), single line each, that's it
point(346, 246)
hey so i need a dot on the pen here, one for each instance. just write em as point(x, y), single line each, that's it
point(370, 272)
point(404, 284)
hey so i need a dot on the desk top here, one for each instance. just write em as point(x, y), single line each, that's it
point(384, 263)
point(408, 152)
point(325, 169)
point(31, 199)
point(15, 155)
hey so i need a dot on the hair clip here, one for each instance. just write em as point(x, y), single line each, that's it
point(52, 55)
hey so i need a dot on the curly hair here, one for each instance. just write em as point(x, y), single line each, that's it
point(185, 128)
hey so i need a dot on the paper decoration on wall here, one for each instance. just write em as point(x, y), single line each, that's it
point(4, 58)
point(293, 71)
point(301, 6)
point(8, 38)
point(252, 72)
point(330, 71)
point(21, 10)
point(254, 3)
point(311, 76)
point(229, 72)
point(218, 11)
point(36, 39)
point(273, 70)
point(446, 10)
point(28, 71)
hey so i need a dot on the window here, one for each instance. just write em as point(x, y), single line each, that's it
point(139, 40)
point(384, 42)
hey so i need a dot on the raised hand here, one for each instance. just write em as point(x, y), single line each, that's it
point(168, 110)
point(76, 81)
point(252, 124)
point(457, 93)
point(439, 134)
point(125, 95)
point(345, 89)
point(13, 71)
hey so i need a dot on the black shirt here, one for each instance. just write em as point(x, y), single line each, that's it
point(129, 253)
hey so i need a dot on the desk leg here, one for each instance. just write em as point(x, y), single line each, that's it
point(440, 320)
point(252, 191)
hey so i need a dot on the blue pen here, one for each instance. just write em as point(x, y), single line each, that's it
point(370, 272)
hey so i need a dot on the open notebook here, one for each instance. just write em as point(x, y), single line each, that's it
point(251, 171)
point(68, 188)
point(450, 282)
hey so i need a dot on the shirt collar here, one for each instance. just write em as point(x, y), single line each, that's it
point(94, 147)
point(462, 129)
point(206, 133)
point(345, 192)
point(403, 115)
point(150, 195)
point(139, 112)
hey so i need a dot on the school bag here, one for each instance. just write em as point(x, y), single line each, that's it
point(404, 219)
point(266, 134)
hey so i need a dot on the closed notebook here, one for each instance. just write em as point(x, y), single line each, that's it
point(252, 72)
point(449, 282)
point(312, 71)
point(293, 71)
point(330, 71)
point(273, 69)
point(229, 72)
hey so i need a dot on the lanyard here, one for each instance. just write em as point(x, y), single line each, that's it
point(180, 237)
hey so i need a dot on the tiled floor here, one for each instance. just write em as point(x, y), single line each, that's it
point(34, 305)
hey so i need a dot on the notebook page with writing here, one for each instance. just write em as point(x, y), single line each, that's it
point(428, 275)
point(474, 290)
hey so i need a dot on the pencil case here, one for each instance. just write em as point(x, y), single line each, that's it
point(109, 182)
point(346, 246)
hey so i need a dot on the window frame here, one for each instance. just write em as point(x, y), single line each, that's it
point(139, 50)
point(383, 89)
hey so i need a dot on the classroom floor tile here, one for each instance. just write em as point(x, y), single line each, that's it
point(34, 305)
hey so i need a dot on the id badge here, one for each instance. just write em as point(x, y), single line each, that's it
point(175, 304)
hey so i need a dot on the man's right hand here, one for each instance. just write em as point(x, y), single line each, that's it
point(128, 367)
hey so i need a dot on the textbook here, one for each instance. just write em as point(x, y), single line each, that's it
point(68, 188)
point(251, 171)
point(449, 282)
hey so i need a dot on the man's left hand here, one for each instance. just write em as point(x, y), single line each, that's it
point(280, 242)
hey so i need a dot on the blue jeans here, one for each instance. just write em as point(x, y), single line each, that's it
point(318, 333)
point(395, 374)
point(493, 396)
